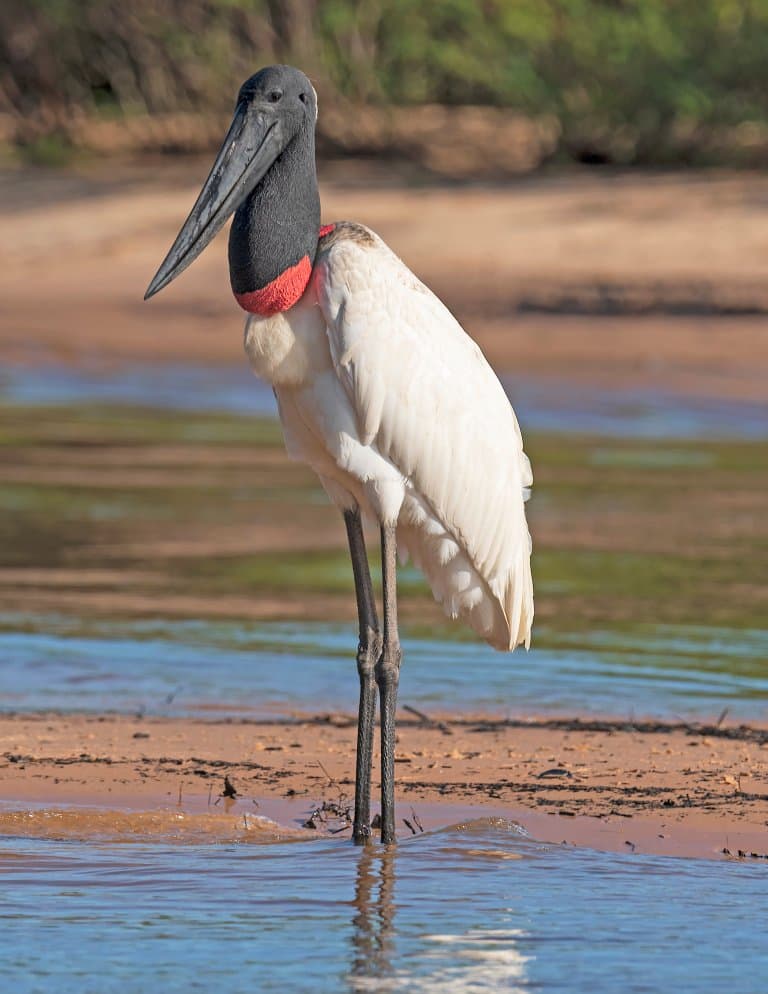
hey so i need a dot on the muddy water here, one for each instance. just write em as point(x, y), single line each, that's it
point(470, 907)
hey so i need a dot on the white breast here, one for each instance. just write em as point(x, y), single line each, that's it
point(288, 348)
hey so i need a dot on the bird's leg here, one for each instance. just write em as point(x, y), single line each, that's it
point(368, 652)
point(387, 678)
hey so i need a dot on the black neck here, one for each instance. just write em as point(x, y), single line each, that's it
point(278, 224)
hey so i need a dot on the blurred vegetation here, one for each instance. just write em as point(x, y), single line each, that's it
point(631, 81)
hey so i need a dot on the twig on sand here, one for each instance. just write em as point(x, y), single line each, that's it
point(415, 821)
point(426, 720)
point(328, 811)
point(331, 780)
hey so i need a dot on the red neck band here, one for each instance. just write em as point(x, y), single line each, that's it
point(285, 290)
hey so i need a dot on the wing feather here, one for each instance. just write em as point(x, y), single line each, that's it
point(426, 399)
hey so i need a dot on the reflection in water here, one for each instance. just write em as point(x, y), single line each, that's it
point(481, 960)
point(372, 939)
point(448, 912)
point(477, 959)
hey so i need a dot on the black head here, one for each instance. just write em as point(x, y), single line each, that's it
point(283, 94)
point(275, 107)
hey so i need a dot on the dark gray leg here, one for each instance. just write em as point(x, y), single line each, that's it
point(387, 678)
point(368, 652)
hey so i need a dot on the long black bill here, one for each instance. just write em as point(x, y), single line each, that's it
point(251, 146)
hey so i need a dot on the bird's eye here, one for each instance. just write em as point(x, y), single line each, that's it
point(303, 97)
point(274, 96)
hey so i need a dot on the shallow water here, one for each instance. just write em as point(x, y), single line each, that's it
point(268, 669)
point(649, 567)
point(324, 916)
point(541, 405)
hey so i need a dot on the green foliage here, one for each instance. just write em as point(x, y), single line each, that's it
point(628, 80)
point(48, 150)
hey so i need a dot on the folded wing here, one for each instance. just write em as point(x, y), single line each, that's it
point(426, 399)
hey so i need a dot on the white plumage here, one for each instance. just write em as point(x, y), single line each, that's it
point(379, 390)
point(386, 397)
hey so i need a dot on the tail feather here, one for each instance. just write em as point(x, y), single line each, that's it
point(499, 609)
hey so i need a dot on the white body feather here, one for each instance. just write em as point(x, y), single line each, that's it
point(392, 404)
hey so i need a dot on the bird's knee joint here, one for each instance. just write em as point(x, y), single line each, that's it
point(368, 653)
point(388, 665)
point(365, 662)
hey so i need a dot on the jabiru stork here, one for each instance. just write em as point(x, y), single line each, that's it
point(379, 390)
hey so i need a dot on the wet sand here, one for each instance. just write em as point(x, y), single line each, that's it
point(668, 789)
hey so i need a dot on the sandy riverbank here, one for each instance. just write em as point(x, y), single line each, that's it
point(641, 281)
point(650, 787)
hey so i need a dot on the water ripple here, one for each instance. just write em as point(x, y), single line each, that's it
point(250, 670)
point(444, 911)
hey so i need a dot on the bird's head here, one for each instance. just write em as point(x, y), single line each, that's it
point(275, 107)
